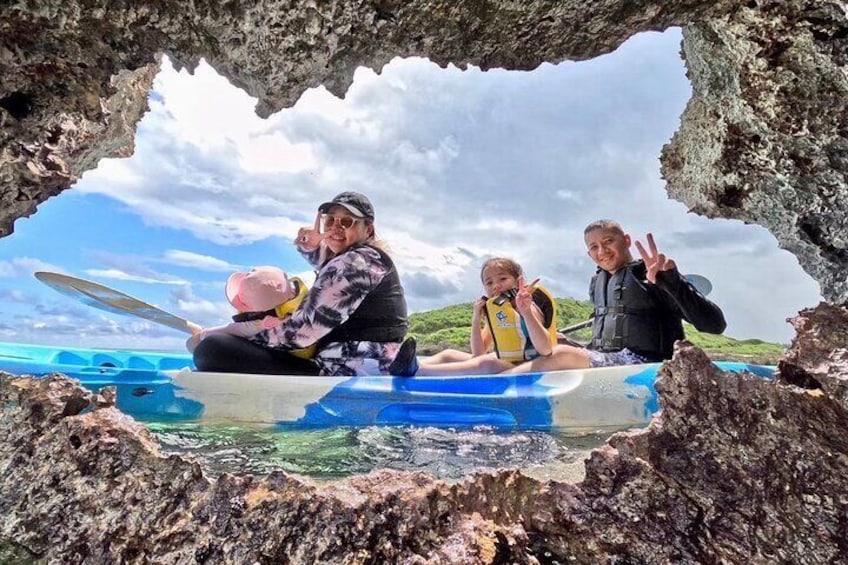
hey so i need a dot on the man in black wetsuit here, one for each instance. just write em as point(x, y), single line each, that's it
point(639, 306)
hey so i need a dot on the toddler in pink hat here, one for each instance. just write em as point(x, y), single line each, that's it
point(259, 290)
point(263, 296)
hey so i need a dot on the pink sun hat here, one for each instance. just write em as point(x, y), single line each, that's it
point(260, 289)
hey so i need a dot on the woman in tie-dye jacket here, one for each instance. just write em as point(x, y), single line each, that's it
point(355, 312)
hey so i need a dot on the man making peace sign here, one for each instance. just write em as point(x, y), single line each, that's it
point(639, 306)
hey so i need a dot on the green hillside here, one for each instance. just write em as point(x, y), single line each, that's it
point(451, 327)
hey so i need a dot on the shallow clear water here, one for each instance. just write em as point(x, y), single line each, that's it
point(339, 452)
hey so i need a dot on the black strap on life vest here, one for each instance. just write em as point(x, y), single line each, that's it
point(250, 316)
point(629, 315)
point(381, 317)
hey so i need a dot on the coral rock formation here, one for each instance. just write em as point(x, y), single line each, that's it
point(736, 468)
point(764, 138)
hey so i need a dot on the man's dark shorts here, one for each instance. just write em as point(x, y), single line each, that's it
point(614, 358)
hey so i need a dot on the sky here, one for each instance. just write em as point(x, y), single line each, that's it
point(459, 164)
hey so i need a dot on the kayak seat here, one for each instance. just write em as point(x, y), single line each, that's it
point(68, 358)
point(103, 360)
point(136, 362)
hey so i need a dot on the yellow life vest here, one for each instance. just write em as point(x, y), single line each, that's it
point(289, 306)
point(512, 341)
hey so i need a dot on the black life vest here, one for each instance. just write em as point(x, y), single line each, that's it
point(628, 313)
point(380, 317)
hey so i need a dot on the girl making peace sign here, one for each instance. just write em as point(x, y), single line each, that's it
point(515, 319)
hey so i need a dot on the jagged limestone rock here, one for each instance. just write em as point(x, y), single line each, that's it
point(735, 469)
point(764, 138)
point(93, 486)
point(819, 355)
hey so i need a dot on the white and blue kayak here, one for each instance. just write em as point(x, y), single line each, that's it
point(163, 387)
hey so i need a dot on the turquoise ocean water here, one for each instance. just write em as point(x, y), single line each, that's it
point(326, 454)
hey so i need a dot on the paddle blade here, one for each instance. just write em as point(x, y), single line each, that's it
point(111, 300)
point(701, 283)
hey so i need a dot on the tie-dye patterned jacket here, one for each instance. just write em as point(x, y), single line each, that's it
point(340, 287)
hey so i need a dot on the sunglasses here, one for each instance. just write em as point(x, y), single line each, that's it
point(344, 222)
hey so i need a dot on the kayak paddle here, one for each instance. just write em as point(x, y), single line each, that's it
point(701, 283)
point(114, 301)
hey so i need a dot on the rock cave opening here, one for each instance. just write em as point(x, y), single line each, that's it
point(503, 162)
point(737, 469)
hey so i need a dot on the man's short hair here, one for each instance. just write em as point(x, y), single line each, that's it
point(610, 225)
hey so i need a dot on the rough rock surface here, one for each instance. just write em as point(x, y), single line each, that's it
point(736, 469)
point(819, 355)
point(765, 136)
point(59, 104)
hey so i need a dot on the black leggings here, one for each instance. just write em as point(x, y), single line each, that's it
point(224, 353)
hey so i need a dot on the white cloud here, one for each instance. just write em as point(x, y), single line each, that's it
point(200, 310)
point(460, 165)
point(74, 326)
point(17, 296)
point(197, 261)
point(270, 154)
point(25, 266)
point(202, 109)
point(120, 275)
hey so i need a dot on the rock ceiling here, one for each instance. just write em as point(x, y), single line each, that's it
point(764, 138)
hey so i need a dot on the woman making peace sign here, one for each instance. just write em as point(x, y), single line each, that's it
point(355, 313)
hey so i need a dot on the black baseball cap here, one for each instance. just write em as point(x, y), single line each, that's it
point(356, 203)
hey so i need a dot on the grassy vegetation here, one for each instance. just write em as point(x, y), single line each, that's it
point(451, 327)
point(723, 348)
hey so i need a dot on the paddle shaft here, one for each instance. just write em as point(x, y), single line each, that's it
point(577, 326)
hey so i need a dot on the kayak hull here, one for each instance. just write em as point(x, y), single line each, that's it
point(163, 387)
